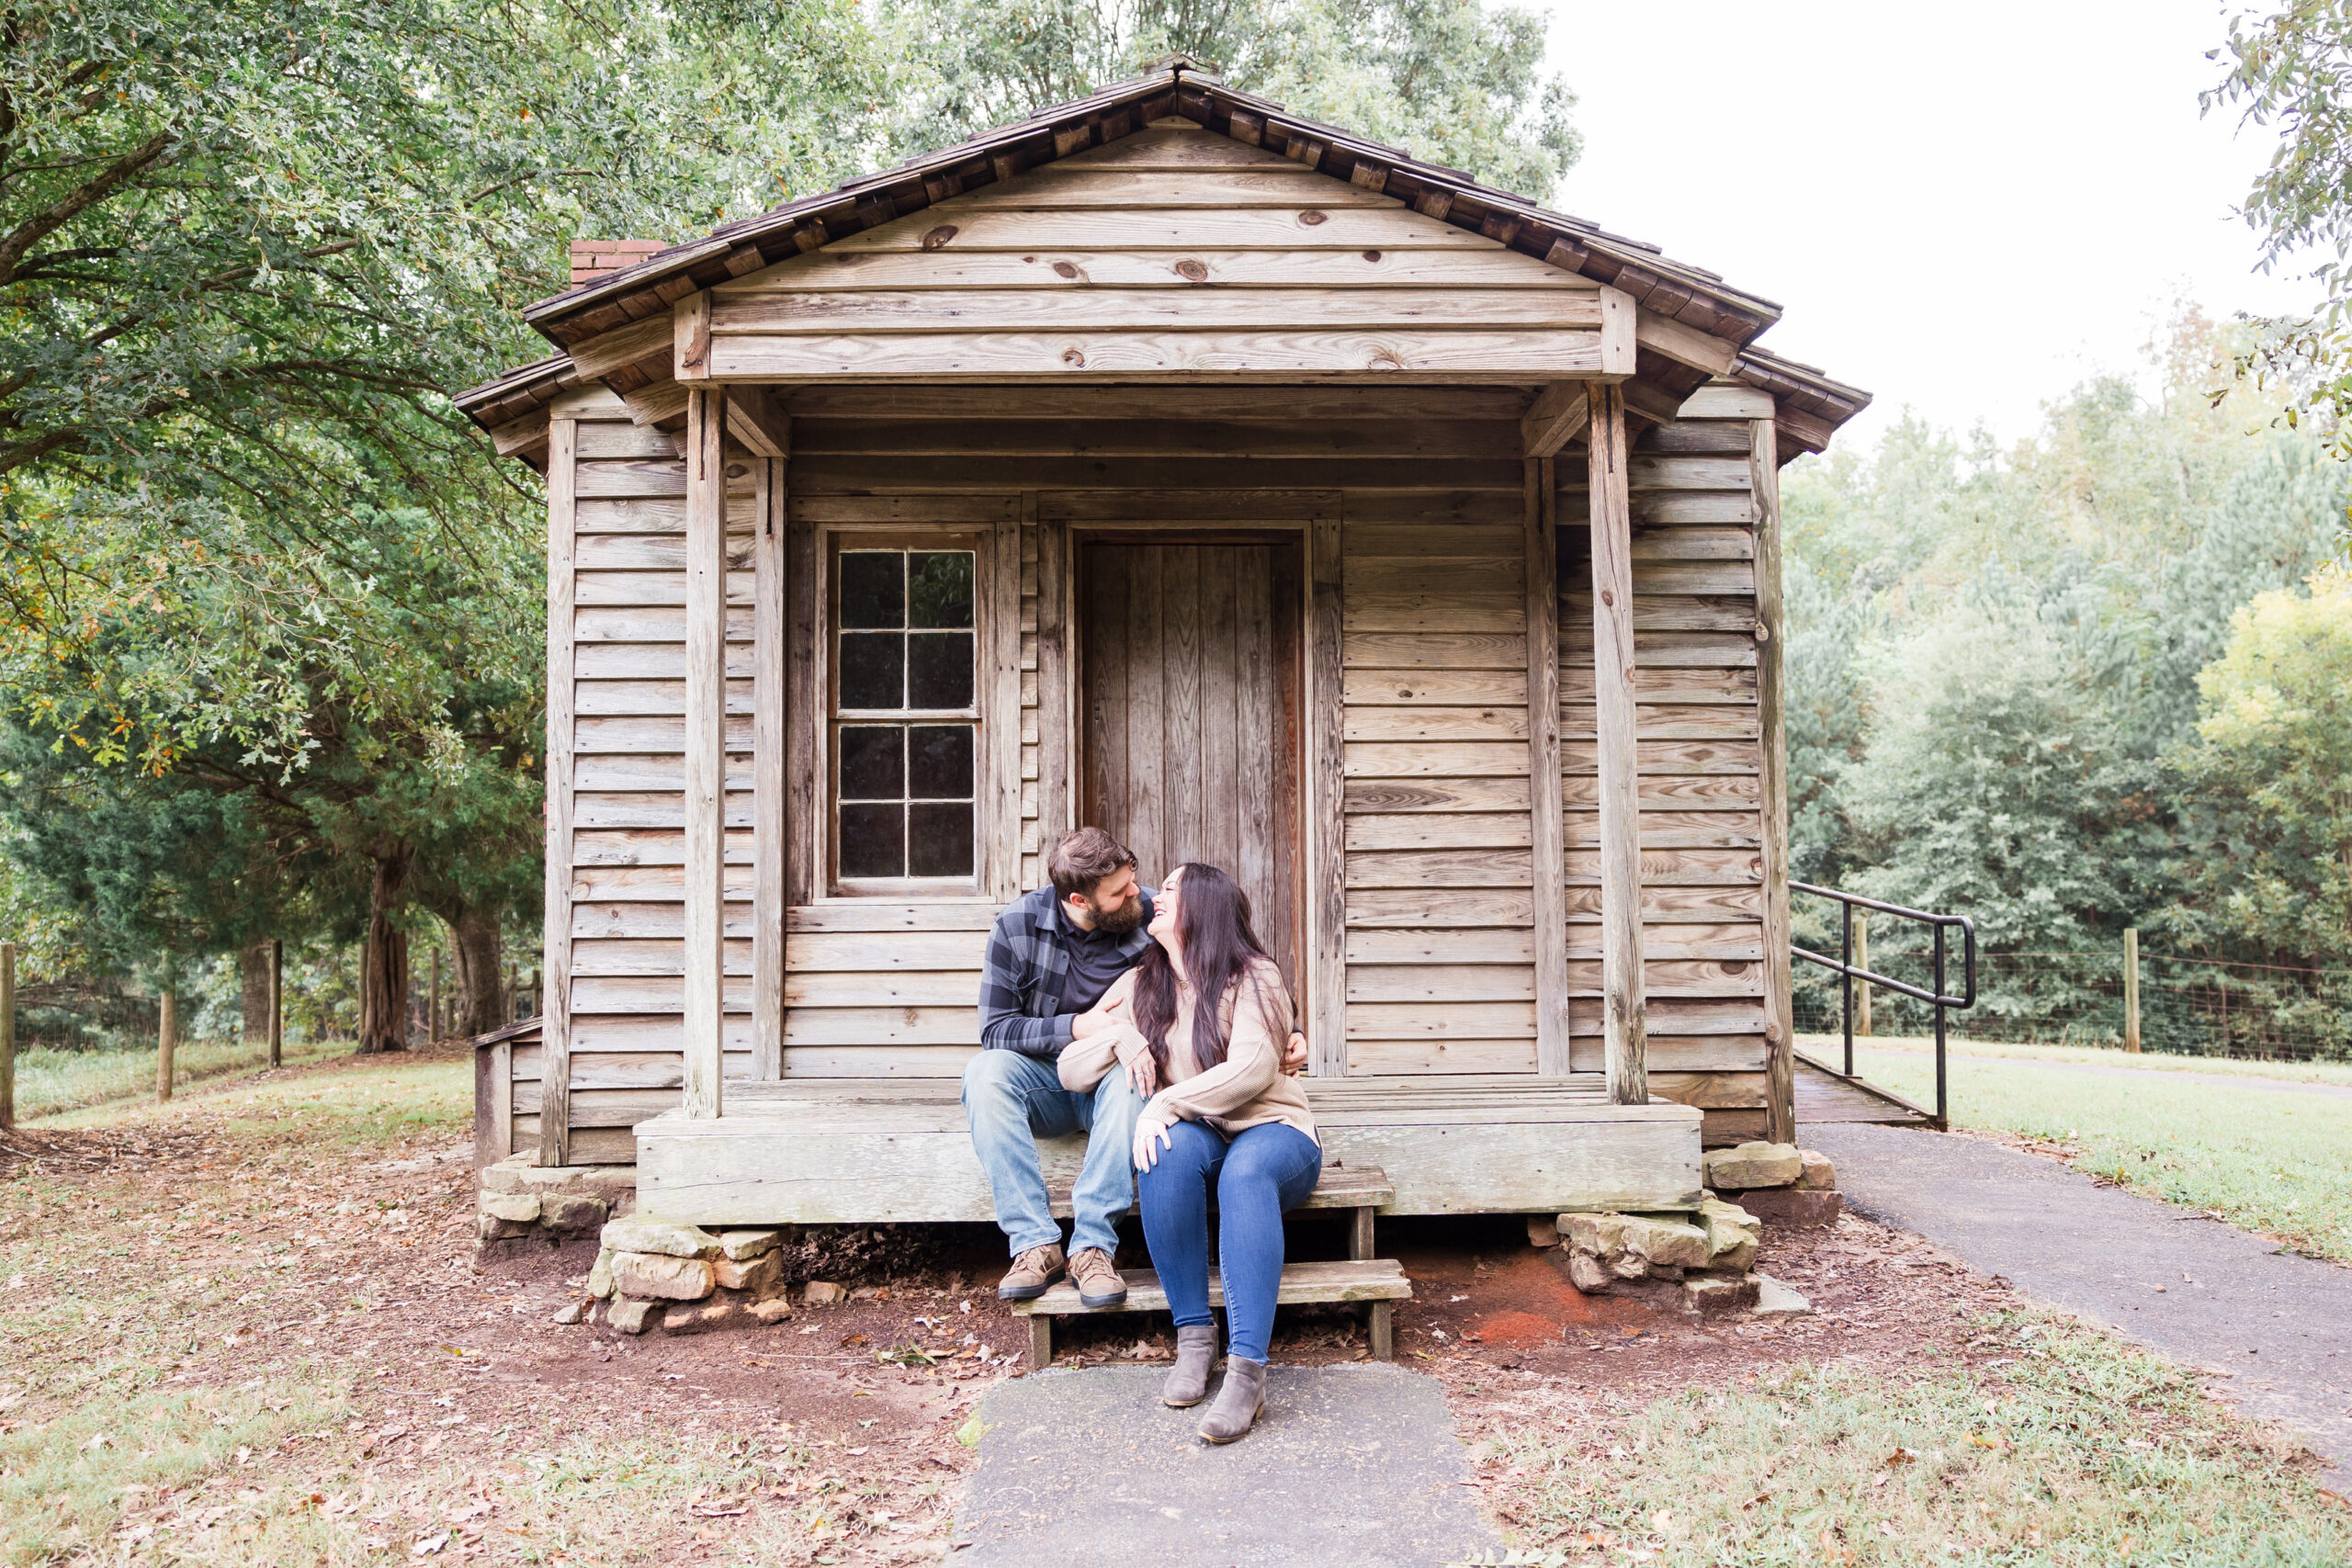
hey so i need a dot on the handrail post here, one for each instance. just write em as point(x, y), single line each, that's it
point(1846, 979)
point(1941, 1117)
point(2132, 988)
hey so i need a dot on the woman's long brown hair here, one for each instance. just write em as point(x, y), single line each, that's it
point(1213, 927)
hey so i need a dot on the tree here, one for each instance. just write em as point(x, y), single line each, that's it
point(2292, 70)
point(2272, 764)
point(1455, 81)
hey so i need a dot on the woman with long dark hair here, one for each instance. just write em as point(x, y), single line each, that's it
point(1204, 1020)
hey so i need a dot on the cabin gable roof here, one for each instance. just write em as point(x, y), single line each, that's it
point(1061, 234)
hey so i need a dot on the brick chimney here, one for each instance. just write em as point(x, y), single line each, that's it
point(592, 259)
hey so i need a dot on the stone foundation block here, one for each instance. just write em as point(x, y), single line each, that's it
point(1733, 1235)
point(1543, 1231)
point(600, 1278)
point(491, 1228)
point(661, 1276)
point(742, 1246)
point(1819, 1175)
point(655, 1236)
point(1712, 1294)
point(1775, 1299)
point(515, 1208)
point(616, 1184)
point(823, 1292)
point(727, 1312)
point(1629, 1242)
point(758, 1275)
point(1587, 1273)
point(633, 1317)
point(1753, 1165)
point(776, 1309)
point(1795, 1207)
point(573, 1213)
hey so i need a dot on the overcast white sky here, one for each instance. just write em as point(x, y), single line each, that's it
point(1967, 209)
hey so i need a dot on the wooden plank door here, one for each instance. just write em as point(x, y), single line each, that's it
point(1189, 657)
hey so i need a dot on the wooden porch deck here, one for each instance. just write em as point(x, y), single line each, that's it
point(818, 1151)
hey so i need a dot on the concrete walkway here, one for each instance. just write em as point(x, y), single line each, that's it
point(1352, 1465)
point(2277, 1325)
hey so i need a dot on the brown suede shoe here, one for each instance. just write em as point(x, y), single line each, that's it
point(1098, 1281)
point(1031, 1273)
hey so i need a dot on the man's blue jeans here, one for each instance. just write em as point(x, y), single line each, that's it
point(1259, 1175)
point(1009, 1102)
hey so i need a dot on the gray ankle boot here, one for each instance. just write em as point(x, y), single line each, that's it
point(1188, 1380)
point(1239, 1400)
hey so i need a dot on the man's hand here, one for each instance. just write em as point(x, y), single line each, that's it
point(1294, 1054)
point(1108, 1013)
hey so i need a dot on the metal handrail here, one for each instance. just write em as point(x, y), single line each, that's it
point(1843, 966)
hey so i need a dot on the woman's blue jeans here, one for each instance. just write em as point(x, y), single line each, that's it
point(1258, 1175)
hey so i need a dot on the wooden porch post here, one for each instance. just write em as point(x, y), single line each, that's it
point(555, 1025)
point(1326, 898)
point(1779, 1011)
point(767, 771)
point(1545, 830)
point(705, 781)
point(1624, 1014)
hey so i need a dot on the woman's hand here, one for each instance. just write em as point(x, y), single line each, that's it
point(1152, 1127)
point(1294, 1054)
point(1143, 1075)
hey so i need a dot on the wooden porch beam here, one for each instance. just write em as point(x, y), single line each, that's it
point(1780, 1012)
point(1326, 907)
point(1559, 416)
point(1546, 828)
point(1683, 344)
point(705, 769)
point(1619, 333)
point(555, 1007)
point(768, 743)
point(1624, 1014)
point(759, 422)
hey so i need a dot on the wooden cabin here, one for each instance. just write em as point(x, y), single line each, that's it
point(1171, 463)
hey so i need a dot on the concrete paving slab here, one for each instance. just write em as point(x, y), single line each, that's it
point(2277, 1325)
point(1354, 1465)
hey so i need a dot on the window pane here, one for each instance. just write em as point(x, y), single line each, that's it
point(939, 761)
point(940, 588)
point(939, 670)
point(873, 840)
point(873, 761)
point(872, 675)
point(939, 841)
point(873, 588)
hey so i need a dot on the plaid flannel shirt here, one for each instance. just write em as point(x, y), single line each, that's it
point(1021, 979)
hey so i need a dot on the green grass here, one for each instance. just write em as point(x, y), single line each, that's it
point(50, 1081)
point(2266, 1160)
point(1828, 1047)
point(2080, 1452)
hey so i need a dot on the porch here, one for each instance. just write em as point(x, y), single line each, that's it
point(865, 1151)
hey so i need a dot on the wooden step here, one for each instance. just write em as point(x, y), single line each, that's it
point(1341, 1187)
point(1376, 1281)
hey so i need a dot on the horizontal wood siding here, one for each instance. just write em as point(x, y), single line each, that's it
point(1700, 779)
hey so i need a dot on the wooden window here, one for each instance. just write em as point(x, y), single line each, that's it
point(905, 714)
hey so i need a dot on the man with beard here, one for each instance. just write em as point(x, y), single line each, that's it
point(1051, 955)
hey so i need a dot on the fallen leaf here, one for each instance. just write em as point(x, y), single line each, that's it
point(428, 1545)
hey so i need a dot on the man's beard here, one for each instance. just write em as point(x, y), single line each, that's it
point(1119, 921)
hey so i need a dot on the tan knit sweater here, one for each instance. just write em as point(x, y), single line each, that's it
point(1247, 1090)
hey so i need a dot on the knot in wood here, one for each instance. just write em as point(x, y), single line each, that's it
point(1314, 215)
point(1372, 255)
point(1386, 359)
point(1074, 359)
point(1064, 269)
point(1607, 597)
point(935, 238)
point(1197, 271)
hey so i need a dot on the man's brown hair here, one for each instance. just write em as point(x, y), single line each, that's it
point(1083, 857)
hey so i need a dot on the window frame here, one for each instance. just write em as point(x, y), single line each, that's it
point(832, 717)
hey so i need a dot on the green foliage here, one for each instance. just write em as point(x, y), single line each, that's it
point(1455, 81)
point(1994, 664)
point(2273, 773)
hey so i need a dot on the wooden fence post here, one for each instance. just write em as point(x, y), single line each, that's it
point(277, 1001)
point(2131, 990)
point(7, 1033)
point(168, 1029)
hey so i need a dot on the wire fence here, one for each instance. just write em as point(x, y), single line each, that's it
point(2191, 1007)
